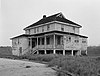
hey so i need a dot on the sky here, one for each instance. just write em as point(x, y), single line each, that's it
point(15, 15)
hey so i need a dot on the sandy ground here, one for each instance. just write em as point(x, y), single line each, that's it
point(10, 67)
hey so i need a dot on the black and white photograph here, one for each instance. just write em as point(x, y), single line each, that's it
point(49, 37)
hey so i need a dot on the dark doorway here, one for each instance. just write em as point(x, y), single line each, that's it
point(34, 40)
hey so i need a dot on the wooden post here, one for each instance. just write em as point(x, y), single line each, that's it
point(86, 52)
point(37, 42)
point(80, 52)
point(63, 52)
point(54, 51)
point(30, 43)
point(45, 44)
point(72, 53)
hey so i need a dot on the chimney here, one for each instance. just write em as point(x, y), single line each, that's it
point(44, 16)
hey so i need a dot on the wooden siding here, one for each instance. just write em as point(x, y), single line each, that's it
point(19, 42)
point(67, 28)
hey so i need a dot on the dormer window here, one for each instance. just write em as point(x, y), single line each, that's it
point(48, 27)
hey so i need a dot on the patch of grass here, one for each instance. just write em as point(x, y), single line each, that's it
point(80, 66)
point(45, 58)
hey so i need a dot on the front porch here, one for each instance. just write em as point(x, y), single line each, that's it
point(49, 44)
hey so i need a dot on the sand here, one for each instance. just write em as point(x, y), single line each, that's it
point(10, 67)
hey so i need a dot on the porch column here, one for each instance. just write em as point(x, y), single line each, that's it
point(63, 52)
point(86, 52)
point(37, 42)
point(72, 53)
point(54, 51)
point(45, 44)
point(80, 52)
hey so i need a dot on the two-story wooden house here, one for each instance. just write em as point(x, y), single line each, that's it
point(51, 35)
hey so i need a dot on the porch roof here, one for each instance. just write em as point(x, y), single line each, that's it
point(39, 34)
point(60, 32)
point(22, 35)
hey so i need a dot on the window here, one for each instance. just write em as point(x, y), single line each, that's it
point(42, 28)
point(58, 40)
point(48, 40)
point(74, 29)
point(38, 41)
point(29, 31)
point(83, 41)
point(34, 30)
point(37, 29)
point(48, 27)
point(76, 41)
point(69, 38)
point(18, 41)
point(20, 50)
point(62, 28)
point(42, 41)
point(29, 42)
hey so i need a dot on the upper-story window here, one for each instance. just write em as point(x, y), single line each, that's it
point(28, 31)
point(42, 28)
point(62, 28)
point(83, 41)
point(76, 41)
point(74, 29)
point(48, 27)
point(37, 29)
point(34, 30)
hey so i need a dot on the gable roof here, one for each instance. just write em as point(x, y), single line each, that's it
point(56, 17)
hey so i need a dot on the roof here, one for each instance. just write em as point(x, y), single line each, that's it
point(22, 35)
point(56, 17)
point(61, 32)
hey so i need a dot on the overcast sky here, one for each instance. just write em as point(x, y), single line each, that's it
point(18, 14)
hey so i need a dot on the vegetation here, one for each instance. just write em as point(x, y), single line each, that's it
point(93, 50)
point(77, 65)
point(5, 50)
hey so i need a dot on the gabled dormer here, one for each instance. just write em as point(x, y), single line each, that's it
point(54, 22)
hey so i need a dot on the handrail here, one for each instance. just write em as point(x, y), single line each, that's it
point(34, 49)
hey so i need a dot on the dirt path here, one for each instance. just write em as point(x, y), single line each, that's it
point(10, 67)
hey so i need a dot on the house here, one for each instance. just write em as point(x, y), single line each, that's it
point(51, 35)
